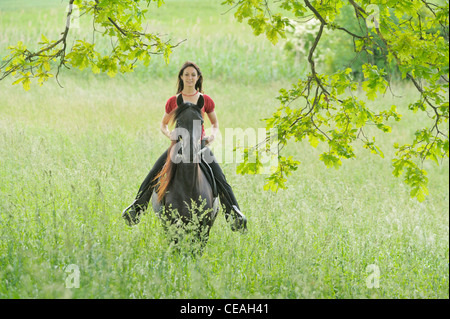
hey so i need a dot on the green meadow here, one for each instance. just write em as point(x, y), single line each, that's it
point(72, 158)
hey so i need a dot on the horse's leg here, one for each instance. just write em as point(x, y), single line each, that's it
point(204, 238)
point(199, 239)
point(202, 233)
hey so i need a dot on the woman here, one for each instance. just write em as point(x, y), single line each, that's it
point(190, 80)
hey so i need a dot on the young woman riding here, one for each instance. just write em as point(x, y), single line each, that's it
point(190, 80)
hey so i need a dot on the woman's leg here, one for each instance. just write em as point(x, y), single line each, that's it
point(226, 195)
point(131, 213)
point(145, 191)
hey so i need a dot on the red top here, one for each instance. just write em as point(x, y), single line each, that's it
point(209, 106)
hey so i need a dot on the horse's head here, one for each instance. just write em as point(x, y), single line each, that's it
point(189, 122)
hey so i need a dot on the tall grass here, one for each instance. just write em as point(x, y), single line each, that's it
point(71, 159)
point(70, 164)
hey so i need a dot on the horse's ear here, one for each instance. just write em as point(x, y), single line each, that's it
point(201, 101)
point(180, 100)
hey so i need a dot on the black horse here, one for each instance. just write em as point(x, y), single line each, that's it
point(184, 197)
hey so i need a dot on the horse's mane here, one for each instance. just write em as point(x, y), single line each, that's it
point(165, 175)
point(168, 170)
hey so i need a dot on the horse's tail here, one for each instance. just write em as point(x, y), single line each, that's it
point(165, 175)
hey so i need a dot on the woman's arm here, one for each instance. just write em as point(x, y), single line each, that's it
point(165, 125)
point(214, 127)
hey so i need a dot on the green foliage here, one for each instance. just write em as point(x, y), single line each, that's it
point(412, 35)
point(121, 21)
point(255, 12)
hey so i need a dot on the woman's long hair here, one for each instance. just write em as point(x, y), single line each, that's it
point(198, 85)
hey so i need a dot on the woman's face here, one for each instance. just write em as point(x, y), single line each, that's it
point(189, 77)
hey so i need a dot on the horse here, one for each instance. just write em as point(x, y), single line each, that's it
point(183, 198)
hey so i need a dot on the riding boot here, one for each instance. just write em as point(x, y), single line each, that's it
point(132, 214)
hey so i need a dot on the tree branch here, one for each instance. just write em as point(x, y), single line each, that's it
point(314, 45)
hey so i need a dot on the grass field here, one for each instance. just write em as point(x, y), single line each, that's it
point(72, 159)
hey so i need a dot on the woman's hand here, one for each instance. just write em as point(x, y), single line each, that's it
point(209, 139)
point(214, 127)
point(173, 135)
